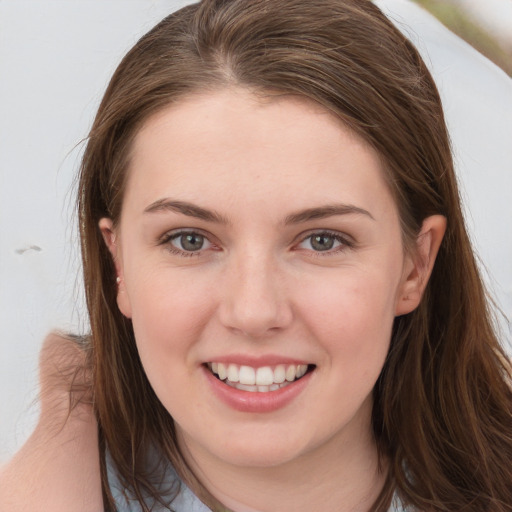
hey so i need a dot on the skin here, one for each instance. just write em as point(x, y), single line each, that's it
point(257, 286)
point(45, 475)
point(249, 463)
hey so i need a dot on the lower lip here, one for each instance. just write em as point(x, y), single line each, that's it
point(256, 402)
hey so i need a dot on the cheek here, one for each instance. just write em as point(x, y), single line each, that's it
point(352, 317)
point(168, 320)
point(168, 313)
point(352, 300)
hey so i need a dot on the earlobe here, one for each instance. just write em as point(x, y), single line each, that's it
point(419, 264)
point(111, 241)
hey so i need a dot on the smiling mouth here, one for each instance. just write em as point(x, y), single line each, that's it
point(262, 379)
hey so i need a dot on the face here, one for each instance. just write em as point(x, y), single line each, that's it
point(261, 263)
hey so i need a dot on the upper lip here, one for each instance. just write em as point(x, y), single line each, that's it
point(256, 361)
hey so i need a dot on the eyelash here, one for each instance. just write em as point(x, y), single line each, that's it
point(169, 237)
point(344, 241)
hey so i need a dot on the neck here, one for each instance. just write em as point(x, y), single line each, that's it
point(343, 474)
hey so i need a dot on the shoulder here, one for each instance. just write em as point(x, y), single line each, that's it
point(177, 496)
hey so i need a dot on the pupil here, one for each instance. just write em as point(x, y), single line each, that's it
point(192, 242)
point(322, 242)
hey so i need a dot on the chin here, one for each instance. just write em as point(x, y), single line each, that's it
point(261, 453)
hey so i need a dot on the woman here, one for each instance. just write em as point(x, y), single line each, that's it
point(273, 252)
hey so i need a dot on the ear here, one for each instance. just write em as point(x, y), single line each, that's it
point(419, 264)
point(112, 242)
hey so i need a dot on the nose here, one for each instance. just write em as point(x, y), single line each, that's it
point(254, 300)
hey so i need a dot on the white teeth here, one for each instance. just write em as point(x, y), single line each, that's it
point(264, 376)
point(233, 373)
point(247, 376)
point(279, 374)
point(262, 379)
point(245, 387)
point(291, 372)
point(301, 370)
point(253, 389)
point(222, 371)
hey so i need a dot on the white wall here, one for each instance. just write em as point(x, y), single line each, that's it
point(55, 60)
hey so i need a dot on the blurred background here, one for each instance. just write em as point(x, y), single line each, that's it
point(487, 26)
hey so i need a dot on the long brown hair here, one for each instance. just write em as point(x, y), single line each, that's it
point(442, 405)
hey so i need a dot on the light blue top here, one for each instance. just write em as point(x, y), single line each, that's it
point(185, 501)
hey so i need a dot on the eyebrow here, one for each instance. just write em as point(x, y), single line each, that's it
point(192, 210)
point(185, 208)
point(323, 212)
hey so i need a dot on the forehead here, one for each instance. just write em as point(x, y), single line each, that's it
point(231, 146)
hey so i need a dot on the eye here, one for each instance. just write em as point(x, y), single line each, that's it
point(324, 242)
point(187, 242)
